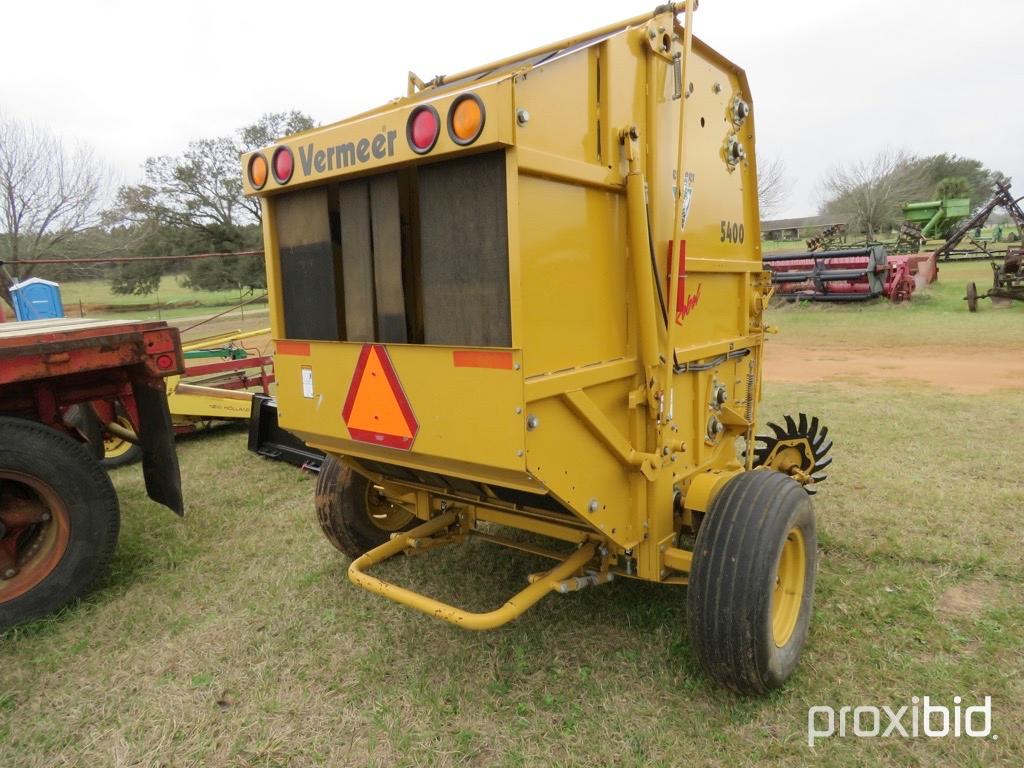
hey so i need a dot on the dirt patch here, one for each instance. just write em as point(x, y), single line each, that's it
point(967, 601)
point(968, 371)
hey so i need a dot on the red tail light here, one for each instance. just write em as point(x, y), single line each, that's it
point(283, 165)
point(423, 128)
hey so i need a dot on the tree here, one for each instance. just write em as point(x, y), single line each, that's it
point(977, 179)
point(48, 196)
point(773, 186)
point(873, 191)
point(953, 187)
point(194, 202)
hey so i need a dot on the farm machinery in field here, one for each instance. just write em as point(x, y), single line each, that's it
point(217, 386)
point(475, 320)
point(1007, 281)
point(849, 274)
point(935, 219)
point(61, 380)
point(1001, 198)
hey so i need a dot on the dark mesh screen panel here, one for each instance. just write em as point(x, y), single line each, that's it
point(463, 227)
point(309, 268)
point(386, 227)
point(357, 259)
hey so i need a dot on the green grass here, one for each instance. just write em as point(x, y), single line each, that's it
point(936, 316)
point(172, 292)
point(233, 637)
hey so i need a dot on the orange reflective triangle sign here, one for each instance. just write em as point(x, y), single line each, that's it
point(376, 410)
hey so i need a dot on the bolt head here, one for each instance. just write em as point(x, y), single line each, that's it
point(522, 116)
point(532, 422)
point(594, 505)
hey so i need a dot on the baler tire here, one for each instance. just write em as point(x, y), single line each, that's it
point(77, 539)
point(759, 531)
point(343, 513)
point(972, 297)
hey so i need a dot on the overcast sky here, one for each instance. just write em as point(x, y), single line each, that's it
point(832, 81)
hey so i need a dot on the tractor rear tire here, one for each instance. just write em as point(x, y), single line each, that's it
point(972, 297)
point(752, 582)
point(59, 520)
point(353, 514)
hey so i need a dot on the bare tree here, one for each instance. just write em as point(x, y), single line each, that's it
point(773, 186)
point(47, 195)
point(873, 190)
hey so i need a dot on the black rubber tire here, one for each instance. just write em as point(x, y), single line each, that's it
point(972, 297)
point(735, 561)
point(94, 517)
point(342, 512)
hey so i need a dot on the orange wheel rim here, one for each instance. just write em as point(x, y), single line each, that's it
point(35, 528)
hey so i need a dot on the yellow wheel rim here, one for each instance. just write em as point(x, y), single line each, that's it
point(383, 513)
point(789, 587)
point(114, 446)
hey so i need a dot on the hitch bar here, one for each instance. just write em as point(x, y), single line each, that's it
point(513, 607)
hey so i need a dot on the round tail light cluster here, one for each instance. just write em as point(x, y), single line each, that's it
point(281, 166)
point(465, 123)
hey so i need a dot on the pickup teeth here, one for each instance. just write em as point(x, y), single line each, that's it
point(808, 433)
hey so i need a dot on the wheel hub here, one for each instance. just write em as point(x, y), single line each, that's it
point(789, 587)
point(34, 532)
point(383, 513)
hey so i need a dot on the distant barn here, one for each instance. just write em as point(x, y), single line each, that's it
point(803, 226)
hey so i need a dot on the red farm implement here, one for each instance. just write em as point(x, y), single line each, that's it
point(852, 274)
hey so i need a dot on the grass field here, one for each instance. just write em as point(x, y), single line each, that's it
point(233, 637)
point(937, 316)
point(172, 300)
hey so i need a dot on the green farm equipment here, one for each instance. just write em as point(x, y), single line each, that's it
point(937, 218)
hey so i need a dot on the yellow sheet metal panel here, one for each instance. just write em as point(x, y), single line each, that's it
point(560, 99)
point(466, 407)
point(580, 471)
point(574, 288)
